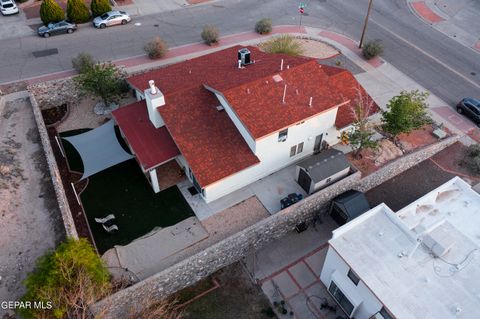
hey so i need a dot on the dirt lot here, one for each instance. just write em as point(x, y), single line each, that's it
point(236, 297)
point(30, 221)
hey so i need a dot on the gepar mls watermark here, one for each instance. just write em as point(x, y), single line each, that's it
point(15, 305)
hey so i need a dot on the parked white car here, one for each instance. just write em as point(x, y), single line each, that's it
point(8, 7)
point(111, 18)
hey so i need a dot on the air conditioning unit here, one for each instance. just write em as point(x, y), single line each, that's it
point(244, 56)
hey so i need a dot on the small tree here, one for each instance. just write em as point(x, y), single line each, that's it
point(50, 12)
point(83, 62)
point(360, 137)
point(263, 26)
point(104, 80)
point(71, 278)
point(472, 158)
point(156, 48)
point(77, 11)
point(372, 49)
point(406, 112)
point(99, 7)
point(210, 34)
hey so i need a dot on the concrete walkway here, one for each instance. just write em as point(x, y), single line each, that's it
point(457, 19)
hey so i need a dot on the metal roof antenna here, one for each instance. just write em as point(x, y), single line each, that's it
point(284, 93)
point(281, 65)
point(310, 102)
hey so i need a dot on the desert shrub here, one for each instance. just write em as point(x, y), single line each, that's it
point(283, 44)
point(50, 12)
point(263, 26)
point(83, 62)
point(371, 49)
point(210, 34)
point(77, 11)
point(99, 7)
point(472, 158)
point(156, 48)
point(70, 278)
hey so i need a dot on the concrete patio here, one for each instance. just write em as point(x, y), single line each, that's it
point(269, 190)
point(289, 269)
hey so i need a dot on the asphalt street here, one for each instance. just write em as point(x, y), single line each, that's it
point(437, 62)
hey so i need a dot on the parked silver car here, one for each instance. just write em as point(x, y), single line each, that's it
point(111, 18)
point(56, 28)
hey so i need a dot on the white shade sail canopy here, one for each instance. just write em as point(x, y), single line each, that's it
point(99, 149)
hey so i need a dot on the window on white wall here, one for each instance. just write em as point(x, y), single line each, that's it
point(353, 276)
point(300, 148)
point(293, 150)
point(341, 299)
point(385, 314)
point(282, 135)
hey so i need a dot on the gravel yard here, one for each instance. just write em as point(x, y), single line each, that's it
point(30, 221)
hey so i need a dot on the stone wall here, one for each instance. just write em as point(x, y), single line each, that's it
point(54, 172)
point(55, 93)
point(233, 248)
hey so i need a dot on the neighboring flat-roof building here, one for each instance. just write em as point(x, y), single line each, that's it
point(421, 262)
point(227, 124)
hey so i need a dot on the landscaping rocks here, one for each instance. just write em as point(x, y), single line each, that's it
point(102, 109)
point(55, 93)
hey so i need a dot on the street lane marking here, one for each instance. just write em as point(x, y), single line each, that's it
point(428, 55)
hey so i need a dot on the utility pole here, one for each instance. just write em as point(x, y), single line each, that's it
point(370, 2)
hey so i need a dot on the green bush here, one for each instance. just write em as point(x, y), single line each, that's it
point(50, 12)
point(283, 44)
point(156, 48)
point(100, 7)
point(83, 62)
point(264, 26)
point(472, 158)
point(210, 34)
point(77, 11)
point(71, 278)
point(371, 49)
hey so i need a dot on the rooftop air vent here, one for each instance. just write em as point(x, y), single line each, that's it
point(220, 108)
point(277, 78)
point(244, 56)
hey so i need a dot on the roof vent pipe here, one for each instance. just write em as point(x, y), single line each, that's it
point(284, 93)
point(153, 89)
point(281, 65)
point(310, 102)
point(239, 64)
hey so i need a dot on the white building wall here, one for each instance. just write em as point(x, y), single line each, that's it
point(369, 305)
point(275, 155)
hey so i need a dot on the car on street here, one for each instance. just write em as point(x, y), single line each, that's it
point(470, 107)
point(111, 18)
point(56, 28)
point(8, 7)
point(290, 199)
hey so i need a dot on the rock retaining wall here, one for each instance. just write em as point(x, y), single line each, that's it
point(54, 172)
point(55, 93)
point(233, 248)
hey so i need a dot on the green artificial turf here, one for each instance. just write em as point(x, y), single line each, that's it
point(123, 190)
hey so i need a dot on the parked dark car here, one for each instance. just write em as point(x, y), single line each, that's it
point(470, 107)
point(56, 28)
point(290, 200)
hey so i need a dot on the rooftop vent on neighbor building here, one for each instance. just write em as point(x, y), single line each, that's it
point(244, 57)
point(277, 78)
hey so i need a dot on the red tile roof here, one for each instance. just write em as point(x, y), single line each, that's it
point(151, 146)
point(259, 105)
point(351, 90)
point(208, 139)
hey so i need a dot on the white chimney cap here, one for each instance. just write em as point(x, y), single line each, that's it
point(153, 89)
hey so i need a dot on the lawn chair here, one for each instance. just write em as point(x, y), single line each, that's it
point(105, 219)
point(110, 229)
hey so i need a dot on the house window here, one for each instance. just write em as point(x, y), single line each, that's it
point(341, 299)
point(353, 277)
point(293, 150)
point(300, 148)
point(385, 314)
point(282, 135)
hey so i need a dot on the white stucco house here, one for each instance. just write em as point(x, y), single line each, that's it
point(228, 119)
point(421, 262)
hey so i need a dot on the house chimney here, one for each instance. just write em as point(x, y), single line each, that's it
point(154, 99)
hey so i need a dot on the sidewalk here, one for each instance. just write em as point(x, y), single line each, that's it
point(457, 19)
